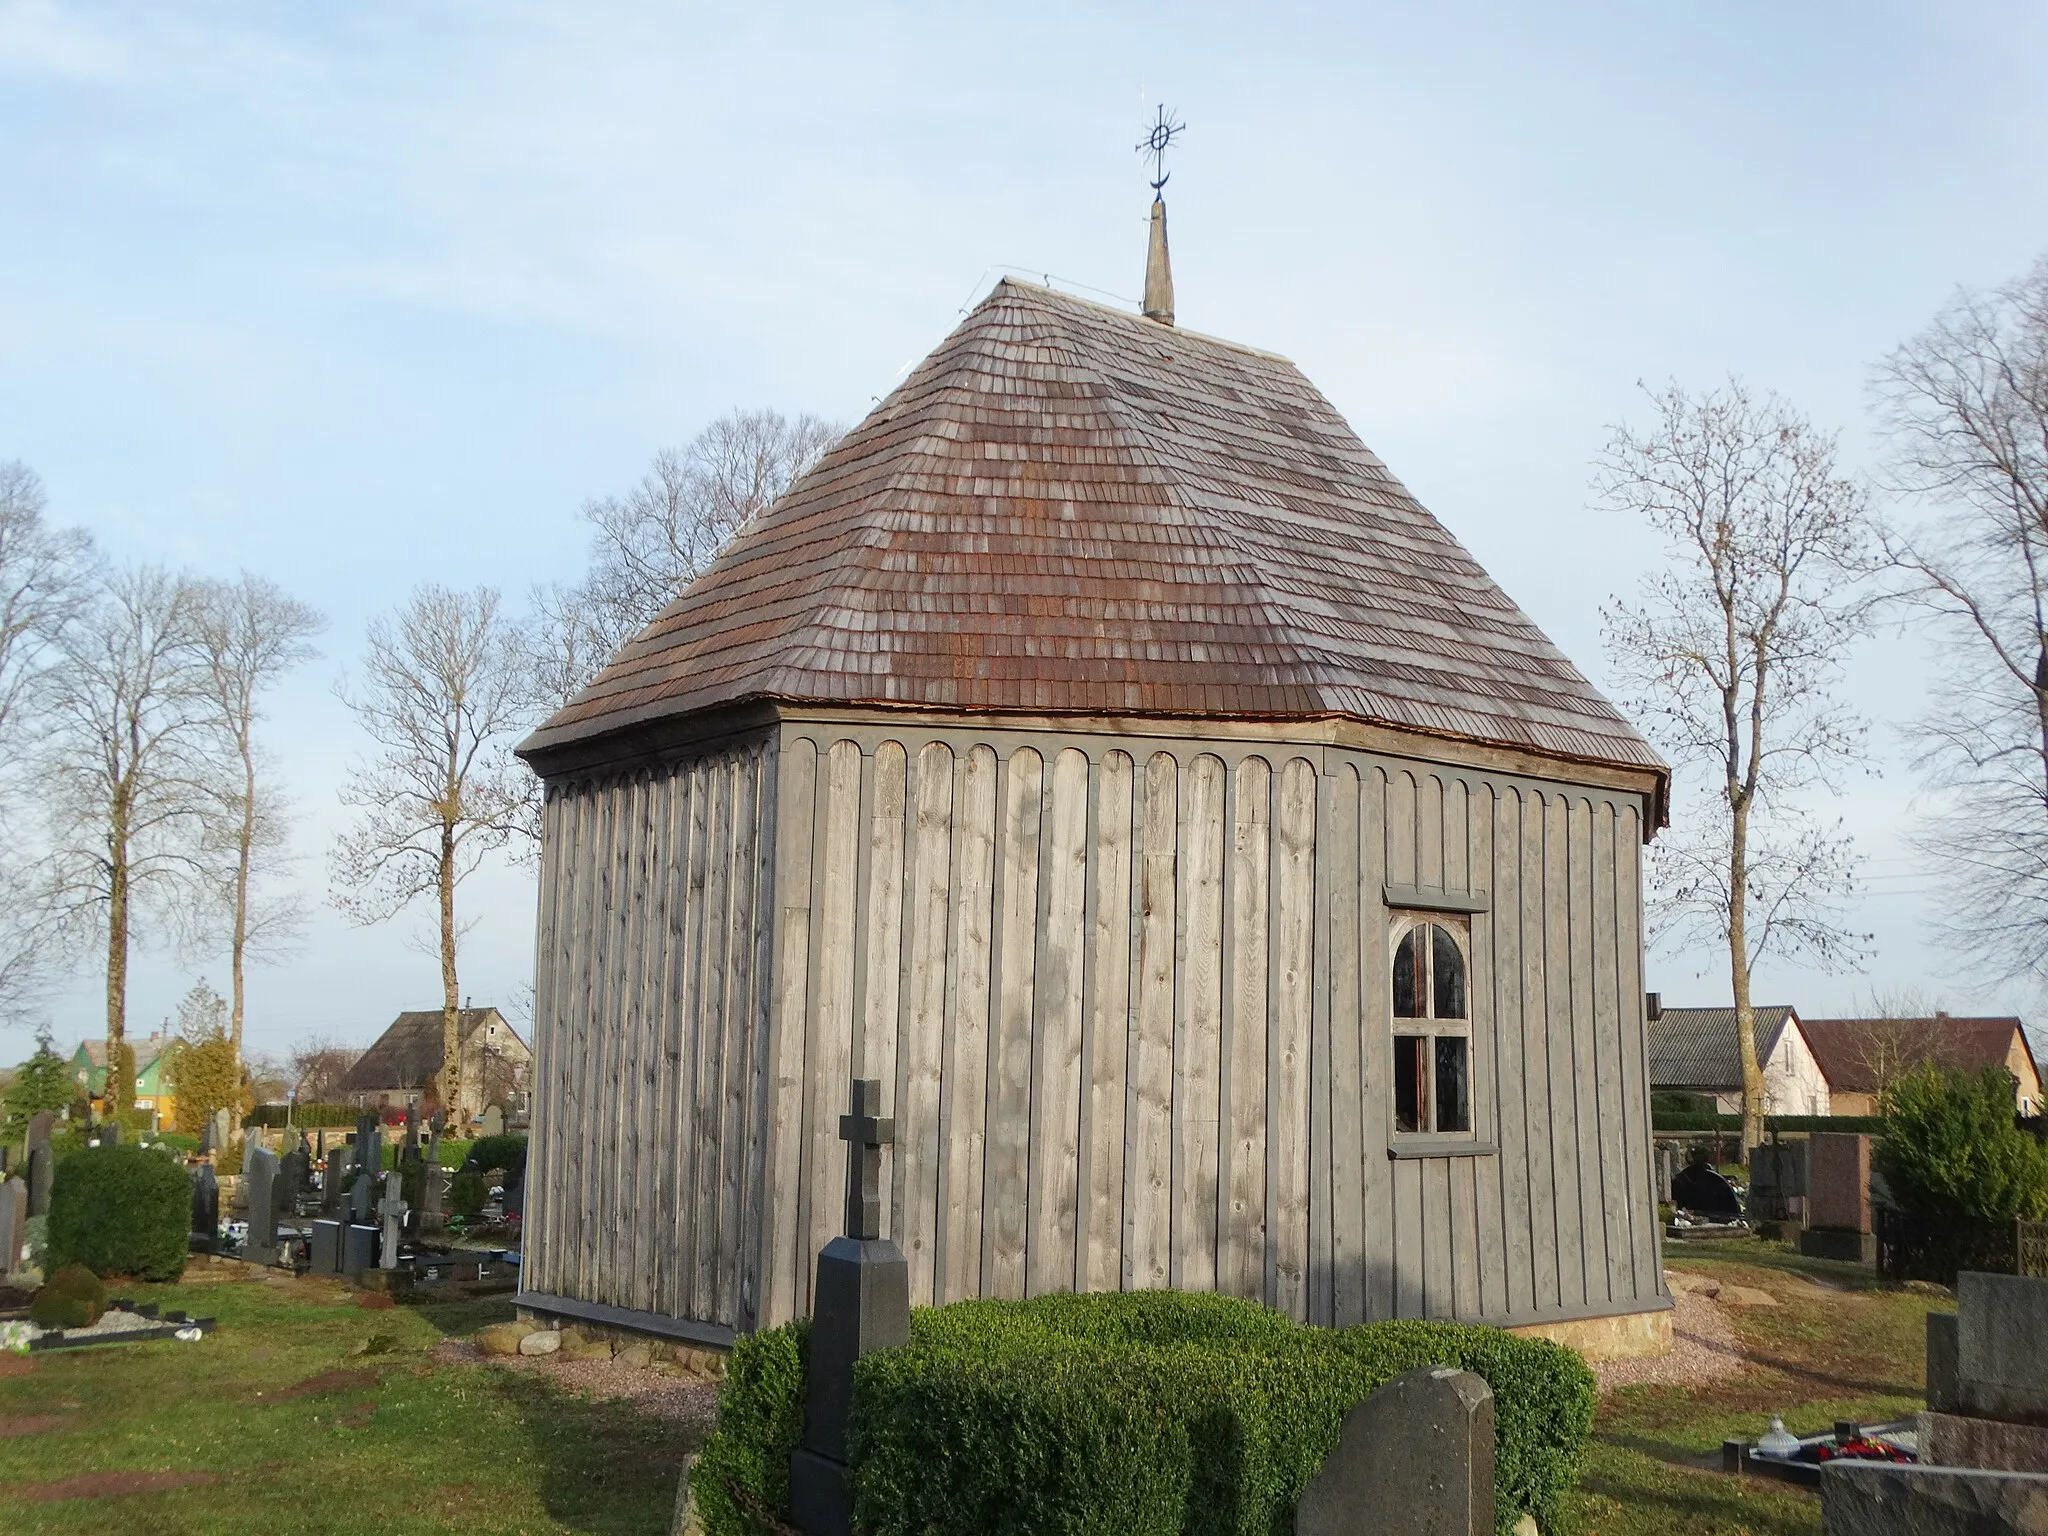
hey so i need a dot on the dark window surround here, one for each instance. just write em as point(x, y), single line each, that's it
point(1416, 898)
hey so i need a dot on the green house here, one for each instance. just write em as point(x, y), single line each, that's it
point(89, 1070)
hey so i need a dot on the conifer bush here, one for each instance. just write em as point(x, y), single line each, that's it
point(122, 1210)
point(1951, 1148)
point(1151, 1413)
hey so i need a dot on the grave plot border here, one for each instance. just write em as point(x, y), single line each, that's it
point(172, 1322)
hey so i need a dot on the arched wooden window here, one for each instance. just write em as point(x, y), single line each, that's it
point(1432, 1027)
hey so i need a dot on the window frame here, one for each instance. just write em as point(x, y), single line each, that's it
point(1429, 1028)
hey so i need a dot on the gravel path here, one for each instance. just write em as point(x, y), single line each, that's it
point(1703, 1347)
point(661, 1391)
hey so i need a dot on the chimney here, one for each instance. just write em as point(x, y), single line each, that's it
point(1158, 269)
point(1653, 1006)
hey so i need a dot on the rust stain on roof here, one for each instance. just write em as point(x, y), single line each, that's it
point(1068, 509)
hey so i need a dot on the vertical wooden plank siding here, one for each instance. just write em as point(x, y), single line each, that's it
point(915, 1167)
point(797, 780)
point(1109, 1024)
point(966, 1070)
point(1242, 1243)
point(1149, 1128)
point(1007, 1178)
point(1055, 1145)
point(1197, 1035)
point(1294, 908)
point(1130, 1001)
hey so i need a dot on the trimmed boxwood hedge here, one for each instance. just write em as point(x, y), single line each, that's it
point(1148, 1413)
point(122, 1210)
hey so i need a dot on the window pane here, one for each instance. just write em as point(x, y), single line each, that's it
point(1407, 979)
point(1411, 1087)
point(1453, 1096)
point(1448, 961)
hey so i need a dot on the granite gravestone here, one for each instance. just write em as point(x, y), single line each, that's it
point(205, 1209)
point(358, 1249)
point(334, 1181)
point(110, 1133)
point(324, 1248)
point(13, 1224)
point(391, 1213)
point(361, 1196)
point(1413, 1459)
point(294, 1173)
point(1702, 1191)
point(861, 1303)
point(223, 1129)
point(494, 1121)
point(1874, 1498)
point(260, 1189)
point(434, 1182)
point(40, 1164)
point(1838, 1199)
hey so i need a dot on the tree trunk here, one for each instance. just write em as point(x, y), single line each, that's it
point(118, 1084)
point(240, 942)
point(1738, 976)
point(451, 998)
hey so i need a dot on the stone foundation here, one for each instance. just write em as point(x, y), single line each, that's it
point(705, 1359)
point(1627, 1336)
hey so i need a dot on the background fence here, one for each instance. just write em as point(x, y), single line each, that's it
point(1937, 1248)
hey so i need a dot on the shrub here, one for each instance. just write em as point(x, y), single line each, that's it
point(1951, 1147)
point(487, 1152)
point(302, 1117)
point(73, 1297)
point(467, 1193)
point(1150, 1412)
point(121, 1210)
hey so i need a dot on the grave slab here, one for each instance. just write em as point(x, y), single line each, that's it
point(325, 1248)
point(1413, 1459)
point(1952, 1440)
point(1867, 1498)
point(2002, 1347)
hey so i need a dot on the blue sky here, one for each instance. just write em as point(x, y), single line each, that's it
point(361, 296)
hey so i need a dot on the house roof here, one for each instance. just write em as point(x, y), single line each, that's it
point(1068, 509)
point(147, 1049)
point(409, 1053)
point(1852, 1051)
point(1695, 1047)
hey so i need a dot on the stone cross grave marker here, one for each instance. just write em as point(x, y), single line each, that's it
point(1413, 1459)
point(205, 1208)
point(260, 1187)
point(861, 1303)
point(13, 1223)
point(40, 1163)
point(391, 1211)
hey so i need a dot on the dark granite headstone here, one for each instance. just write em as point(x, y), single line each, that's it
point(110, 1133)
point(1415, 1458)
point(260, 1188)
point(391, 1216)
point(861, 1303)
point(361, 1196)
point(13, 1223)
point(412, 1125)
point(358, 1249)
point(41, 1163)
point(294, 1172)
point(1702, 1190)
point(433, 1182)
point(205, 1209)
point(324, 1248)
point(334, 1181)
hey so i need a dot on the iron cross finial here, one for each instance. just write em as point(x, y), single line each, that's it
point(1157, 143)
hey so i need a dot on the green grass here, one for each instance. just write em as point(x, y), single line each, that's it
point(1840, 1346)
point(368, 1442)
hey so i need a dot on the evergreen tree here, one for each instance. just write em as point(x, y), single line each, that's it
point(42, 1082)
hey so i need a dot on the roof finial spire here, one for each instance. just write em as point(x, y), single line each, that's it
point(1158, 266)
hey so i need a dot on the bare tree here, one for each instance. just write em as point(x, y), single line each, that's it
point(444, 695)
point(44, 576)
point(315, 1067)
point(129, 778)
point(249, 634)
point(1899, 1031)
point(1966, 406)
point(650, 543)
point(1731, 657)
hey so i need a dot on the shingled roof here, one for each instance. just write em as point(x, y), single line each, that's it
point(409, 1052)
point(1067, 509)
